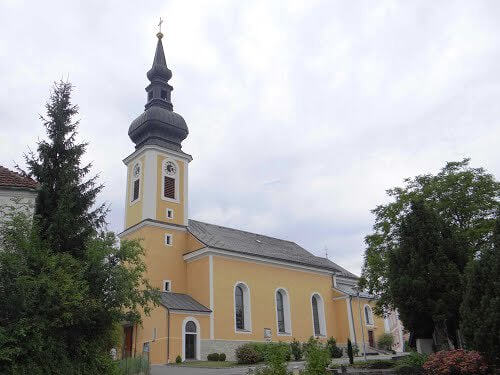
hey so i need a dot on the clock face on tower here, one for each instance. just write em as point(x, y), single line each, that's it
point(137, 170)
point(170, 168)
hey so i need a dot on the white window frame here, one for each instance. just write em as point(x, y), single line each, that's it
point(321, 315)
point(198, 337)
point(170, 210)
point(171, 242)
point(247, 309)
point(133, 179)
point(370, 315)
point(154, 334)
point(286, 312)
point(169, 285)
point(175, 177)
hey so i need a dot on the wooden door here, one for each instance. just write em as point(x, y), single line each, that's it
point(190, 346)
point(127, 347)
point(371, 340)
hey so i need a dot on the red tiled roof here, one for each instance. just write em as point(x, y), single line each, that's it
point(9, 178)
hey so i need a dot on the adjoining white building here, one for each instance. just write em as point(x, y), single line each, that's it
point(16, 191)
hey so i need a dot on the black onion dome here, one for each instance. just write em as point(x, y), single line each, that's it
point(159, 125)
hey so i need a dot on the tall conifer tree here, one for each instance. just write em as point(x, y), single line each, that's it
point(480, 308)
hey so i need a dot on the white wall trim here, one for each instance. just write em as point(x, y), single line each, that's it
point(246, 306)
point(184, 312)
point(198, 336)
point(149, 183)
point(186, 192)
point(151, 223)
point(143, 149)
point(286, 312)
point(351, 323)
point(371, 322)
point(211, 288)
point(163, 285)
point(321, 315)
point(132, 201)
point(251, 258)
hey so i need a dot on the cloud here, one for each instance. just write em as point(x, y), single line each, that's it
point(301, 113)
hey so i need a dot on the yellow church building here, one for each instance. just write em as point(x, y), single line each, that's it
point(221, 287)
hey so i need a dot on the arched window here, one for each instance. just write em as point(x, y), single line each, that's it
point(135, 183)
point(170, 180)
point(368, 315)
point(318, 314)
point(283, 312)
point(190, 327)
point(242, 316)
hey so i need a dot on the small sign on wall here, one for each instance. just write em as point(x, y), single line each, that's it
point(267, 334)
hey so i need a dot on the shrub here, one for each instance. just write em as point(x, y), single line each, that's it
point(178, 359)
point(385, 341)
point(317, 357)
point(375, 364)
point(350, 352)
point(213, 357)
point(456, 362)
point(247, 355)
point(222, 357)
point(334, 350)
point(296, 349)
point(355, 350)
point(276, 358)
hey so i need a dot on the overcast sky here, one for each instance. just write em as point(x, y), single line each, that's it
point(301, 113)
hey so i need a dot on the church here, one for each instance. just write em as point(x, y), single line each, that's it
point(221, 287)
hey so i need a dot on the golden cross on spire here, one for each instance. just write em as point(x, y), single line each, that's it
point(159, 25)
point(160, 34)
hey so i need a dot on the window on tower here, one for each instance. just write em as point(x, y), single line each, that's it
point(135, 188)
point(163, 94)
point(169, 187)
point(170, 183)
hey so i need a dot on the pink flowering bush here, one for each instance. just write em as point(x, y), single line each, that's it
point(455, 362)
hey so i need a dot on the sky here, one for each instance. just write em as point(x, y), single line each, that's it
point(301, 113)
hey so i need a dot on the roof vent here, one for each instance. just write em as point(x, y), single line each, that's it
point(259, 241)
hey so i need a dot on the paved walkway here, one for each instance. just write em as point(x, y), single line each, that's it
point(183, 370)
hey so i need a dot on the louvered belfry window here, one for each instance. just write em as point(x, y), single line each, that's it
point(135, 195)
point(169, 187)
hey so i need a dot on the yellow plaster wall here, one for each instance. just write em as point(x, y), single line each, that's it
point(164, 262)
point(377, 328)
point(133, 212)
point(263, 280)
point(161, 204)
point(342, 321)
point(198, 280)
point(144, 333)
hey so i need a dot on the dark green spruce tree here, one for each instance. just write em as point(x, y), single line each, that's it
point(68, 283)
point(480, 308)
point(424, 275)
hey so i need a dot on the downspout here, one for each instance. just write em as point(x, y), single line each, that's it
point(352, 321)
point(168, 335)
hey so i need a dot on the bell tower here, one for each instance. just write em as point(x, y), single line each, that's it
point(157, 171)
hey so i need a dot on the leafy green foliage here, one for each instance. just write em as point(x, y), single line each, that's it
point(134, 365)
point(385, 341)
point(335, 351)
point(411, 364)
point(246, 354)
point(375, 364)
point(64, 282)
point(317, 357)
point(296, 349)
point(424, 272)
point(480, 310)
point(222, 357)
point(213, 357)
point(178, 359)
point(350, 352)
point(465, 198)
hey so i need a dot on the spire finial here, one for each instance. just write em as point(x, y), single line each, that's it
point(160, 34)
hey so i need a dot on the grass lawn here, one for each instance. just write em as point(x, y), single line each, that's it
point(208, 364)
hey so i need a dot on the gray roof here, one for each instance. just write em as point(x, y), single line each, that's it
point(352, 291)
point(239, 241)
point(183, 302)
